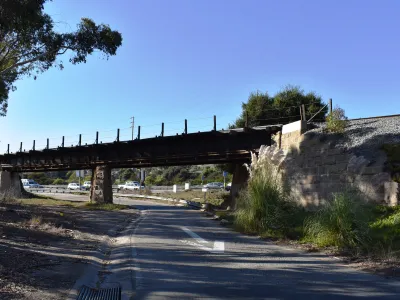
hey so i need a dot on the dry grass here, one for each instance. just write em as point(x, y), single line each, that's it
point(104, 206)
point(72, 204)
point(35, 221)
point(51, 202)
point(214, 197)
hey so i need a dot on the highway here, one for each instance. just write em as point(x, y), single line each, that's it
point(63, 189)
point(178, 253)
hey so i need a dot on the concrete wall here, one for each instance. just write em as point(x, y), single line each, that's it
point(314, 168)
point(10, 185)
point(101, 188)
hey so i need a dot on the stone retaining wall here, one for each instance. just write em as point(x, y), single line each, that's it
point(314, 168)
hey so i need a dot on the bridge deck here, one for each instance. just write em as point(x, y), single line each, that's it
point(188, 149)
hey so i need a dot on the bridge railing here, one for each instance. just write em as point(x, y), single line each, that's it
point(270, 116)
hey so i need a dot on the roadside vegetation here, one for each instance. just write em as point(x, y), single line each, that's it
point(346, 223)
point(42, 201)
point(336, 121)
point(213, 197)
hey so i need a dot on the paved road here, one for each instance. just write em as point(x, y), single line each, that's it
point(175, 257)
point(175, 253)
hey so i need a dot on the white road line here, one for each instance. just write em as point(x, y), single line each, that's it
point(219, 246)
point(194, 235)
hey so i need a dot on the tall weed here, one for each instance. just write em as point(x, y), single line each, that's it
point(343, 222)
point(264, 206)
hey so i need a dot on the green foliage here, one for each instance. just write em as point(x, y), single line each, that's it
point(336, 121)
point(343, 222)
point(128, 175)
point(281, 108)
point(29, 45)
point(213, 197)
point(182, 174)
point(58, 181)
point(385, 229)
point(71, 177)
point(393, 160)
point(40, 178)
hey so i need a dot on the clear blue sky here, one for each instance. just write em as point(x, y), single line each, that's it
point(193, 59)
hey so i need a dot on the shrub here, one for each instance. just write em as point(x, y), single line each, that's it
point(385, 230)
point(336, 121)
point(58, 181)
point(343, 223)
point(264, 207)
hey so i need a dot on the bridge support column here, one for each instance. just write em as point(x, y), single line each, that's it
point(101, 190)
point(10, 185)
point(239, 181)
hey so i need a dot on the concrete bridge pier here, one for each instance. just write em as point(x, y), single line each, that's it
point(10, 185)
point(101, 188)
point(239, 181)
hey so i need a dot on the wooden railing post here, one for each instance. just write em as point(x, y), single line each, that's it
point(215, 123)
point(185, 126)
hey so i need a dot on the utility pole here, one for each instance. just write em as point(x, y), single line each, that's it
point(133, 125)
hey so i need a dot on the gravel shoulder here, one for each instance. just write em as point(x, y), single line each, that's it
point(44, 249)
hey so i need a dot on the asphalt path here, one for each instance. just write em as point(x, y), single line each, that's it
point(178, 253)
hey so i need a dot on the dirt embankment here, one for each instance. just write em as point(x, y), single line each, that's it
point(44, 249)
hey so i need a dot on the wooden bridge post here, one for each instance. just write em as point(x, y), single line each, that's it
point(330, 105)
point(8, 148)
point(33, 148)
point(138, 135)
point(47, 146)
point(62, 143)
point(185, 126)
point(162, 129)
point(97, 137)
point(20, 147)
point(215, 123)
point(118, 135)
point(80, 140)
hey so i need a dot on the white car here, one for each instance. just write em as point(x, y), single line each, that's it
point(214, 185)
point(74, 186)
point(87, 185)
point(121, 186)
point(30, 183)
point(132, 186)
